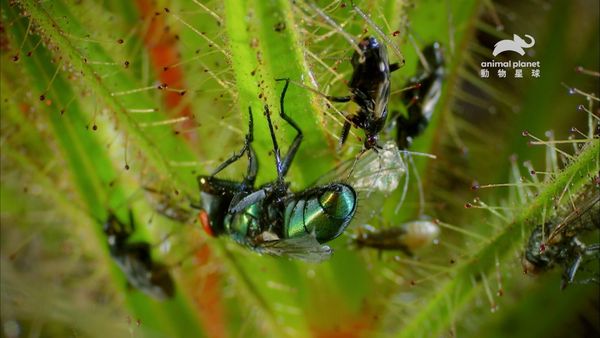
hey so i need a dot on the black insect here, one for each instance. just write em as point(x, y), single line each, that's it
point(370, 90)
point(421, 97)
point(135, 260)
point(271, 219)
point(558, 241)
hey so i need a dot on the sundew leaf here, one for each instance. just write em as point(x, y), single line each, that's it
point(92, 172)
point(446, 303)
point(229, 55)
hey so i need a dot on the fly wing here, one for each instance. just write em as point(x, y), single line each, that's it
point(579, 217)
point(382, 99)
point(374, 176)
point(379, 171)
point(305, 248)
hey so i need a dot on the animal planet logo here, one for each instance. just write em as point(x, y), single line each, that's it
point(519, 67)
point(517, 45)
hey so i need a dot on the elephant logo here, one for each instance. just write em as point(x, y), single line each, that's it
point(515, 45)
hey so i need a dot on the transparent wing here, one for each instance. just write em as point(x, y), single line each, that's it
point(374, 171)
point(305, 248)
point(584, 218)
point(379, 171)
point(374, 176)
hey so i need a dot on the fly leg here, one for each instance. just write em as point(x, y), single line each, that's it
point(252, 170)
point(232, 192)
point(275, 146)
point(284, 164)
point(347, 122)
point(593, 249)
point(328, 97)
point(345, 133)
point(339, 98)
point(570, 271)
point(247, 145)
point(241, 199)
point(131, 221)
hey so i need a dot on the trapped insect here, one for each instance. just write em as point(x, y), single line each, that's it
point(558, 241)
point(271, 219)
point(421, 97)
point(407, 237)
point(370, 82)
point(370, 90)
point(135, 260)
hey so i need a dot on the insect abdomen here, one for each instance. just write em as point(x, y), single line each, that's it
point(325, 211)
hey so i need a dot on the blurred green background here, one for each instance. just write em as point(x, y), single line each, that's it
point(101, 99)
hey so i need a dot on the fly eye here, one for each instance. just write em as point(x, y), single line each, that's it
point(205, 221)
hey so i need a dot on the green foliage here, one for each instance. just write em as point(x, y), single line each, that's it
point(88, 123)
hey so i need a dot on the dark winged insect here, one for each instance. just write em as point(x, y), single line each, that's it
point(558, 242)
point(370, 90)
point(407, 237)
point(135, 260)
point(421, 97)
point(271, 219)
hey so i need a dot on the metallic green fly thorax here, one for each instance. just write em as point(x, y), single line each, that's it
point(244, 224)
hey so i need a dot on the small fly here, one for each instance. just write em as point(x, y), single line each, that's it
point(370, 90)
point(407, 237)
point(562, 246)
point(135, 260)
point(370, 82)
point(421, 97)
point(271, 219)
